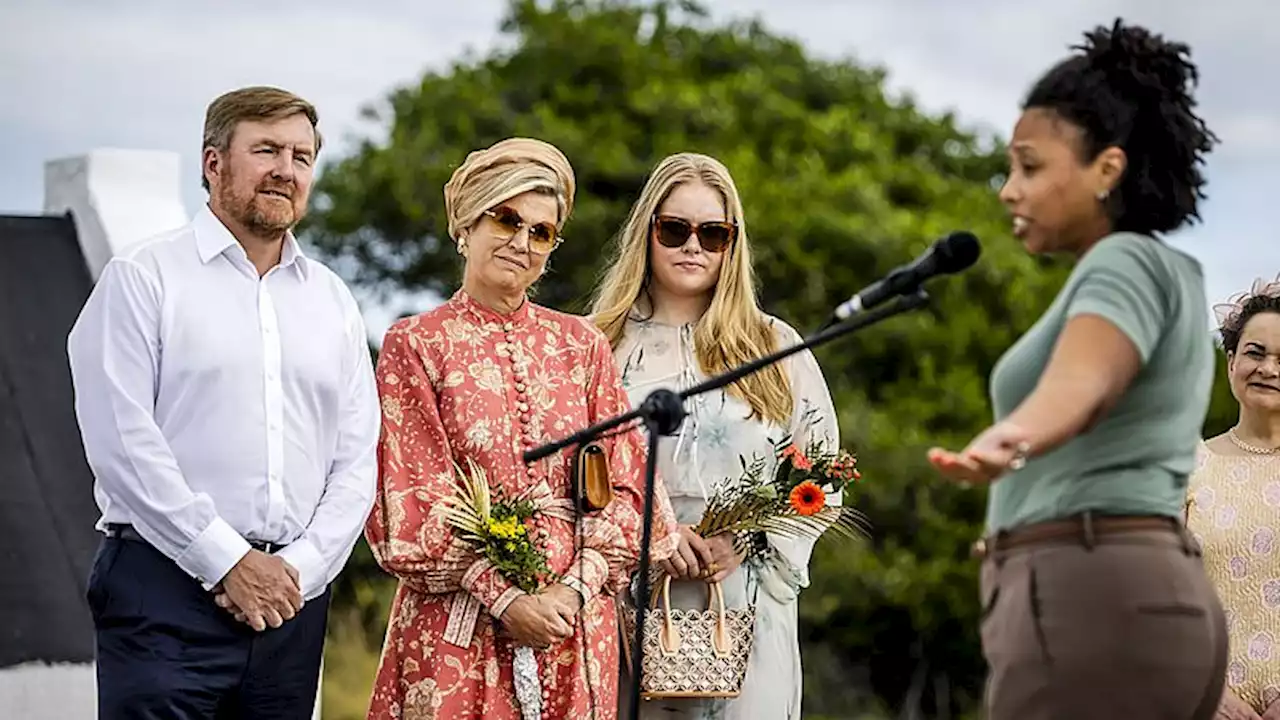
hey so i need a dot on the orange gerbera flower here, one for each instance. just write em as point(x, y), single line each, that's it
point(807, 498)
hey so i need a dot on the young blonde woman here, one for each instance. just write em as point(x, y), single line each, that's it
point(678, 305)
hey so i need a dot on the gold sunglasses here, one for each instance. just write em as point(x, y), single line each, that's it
point(542, 236)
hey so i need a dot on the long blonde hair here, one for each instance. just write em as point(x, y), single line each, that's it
point(734, 329)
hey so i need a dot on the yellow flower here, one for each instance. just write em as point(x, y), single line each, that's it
point(507, 528)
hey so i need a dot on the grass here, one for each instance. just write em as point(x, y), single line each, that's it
point(350, 663)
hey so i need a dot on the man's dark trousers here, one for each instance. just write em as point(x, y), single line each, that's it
point(166, 650)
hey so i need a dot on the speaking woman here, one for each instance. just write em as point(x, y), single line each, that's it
point(1096, 604)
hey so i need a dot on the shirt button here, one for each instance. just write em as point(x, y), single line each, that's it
point(508, 327)
point(522, 407)
point(520, 388)
point(524, 418)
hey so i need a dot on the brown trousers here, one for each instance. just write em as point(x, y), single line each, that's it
point(1102, 624)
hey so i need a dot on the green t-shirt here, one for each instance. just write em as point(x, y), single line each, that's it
point(1137, 458)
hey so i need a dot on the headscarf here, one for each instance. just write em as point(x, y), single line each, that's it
point(502, 171)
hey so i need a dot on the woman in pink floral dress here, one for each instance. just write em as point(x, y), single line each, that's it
point(486, 376)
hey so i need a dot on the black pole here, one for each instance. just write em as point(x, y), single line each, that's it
point(646, 538)
point(663, 411)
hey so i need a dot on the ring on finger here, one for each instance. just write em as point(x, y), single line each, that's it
point(1020, 453)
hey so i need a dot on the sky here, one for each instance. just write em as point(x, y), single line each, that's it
point(78, 75)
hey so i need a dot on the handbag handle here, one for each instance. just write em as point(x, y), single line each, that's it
point(669, 637)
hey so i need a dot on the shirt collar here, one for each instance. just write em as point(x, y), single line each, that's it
point(213, 239)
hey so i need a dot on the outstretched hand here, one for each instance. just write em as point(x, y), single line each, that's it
point(999, 449)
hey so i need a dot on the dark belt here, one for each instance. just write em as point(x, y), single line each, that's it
point(1087, 529)
point(126, 532)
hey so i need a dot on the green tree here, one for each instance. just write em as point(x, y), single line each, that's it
point(841, 183)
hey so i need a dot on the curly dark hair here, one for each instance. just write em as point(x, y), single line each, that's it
point(1129, 88)
point(1233, 326)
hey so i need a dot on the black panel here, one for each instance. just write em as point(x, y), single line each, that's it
point(47, 512)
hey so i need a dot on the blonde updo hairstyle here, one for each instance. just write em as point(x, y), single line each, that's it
point(512, 167)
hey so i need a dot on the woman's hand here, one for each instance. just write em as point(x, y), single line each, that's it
point(724, 557)
point(565, 600)
point(1273, 711)
point(692, 557)
point(1233, 708)
point(1000, 448)
point(534, 621)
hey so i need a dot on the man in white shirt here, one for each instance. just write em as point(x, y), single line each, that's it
point(226, 400)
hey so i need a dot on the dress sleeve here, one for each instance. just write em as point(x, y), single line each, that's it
point(611, 546)
point(813, 421)
point(415, 474)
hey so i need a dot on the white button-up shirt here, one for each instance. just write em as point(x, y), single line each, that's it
point(218, 407)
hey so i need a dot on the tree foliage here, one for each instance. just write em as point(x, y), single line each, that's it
point(841, 183)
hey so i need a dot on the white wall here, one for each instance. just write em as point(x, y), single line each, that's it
point(116, 197)
point(36, 691)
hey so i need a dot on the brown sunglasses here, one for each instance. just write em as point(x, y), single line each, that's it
point(714, 237)
point(543, 237)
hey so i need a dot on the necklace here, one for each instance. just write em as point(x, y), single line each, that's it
point(1250, 448)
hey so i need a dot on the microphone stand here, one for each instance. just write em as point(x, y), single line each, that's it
point(662, 412)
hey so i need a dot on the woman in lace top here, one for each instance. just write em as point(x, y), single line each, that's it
point(1233, 506)
point(678, 304)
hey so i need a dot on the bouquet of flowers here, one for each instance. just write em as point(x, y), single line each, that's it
point(792, 502)
point(497, 528)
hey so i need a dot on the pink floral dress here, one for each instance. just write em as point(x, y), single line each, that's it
point(459, 382)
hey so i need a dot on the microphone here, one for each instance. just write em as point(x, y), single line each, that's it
point(951, 254)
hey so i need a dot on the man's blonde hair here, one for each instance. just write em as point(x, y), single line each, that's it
point(251, 103)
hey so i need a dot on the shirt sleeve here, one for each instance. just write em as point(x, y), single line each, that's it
point(415, 474)
point(322, 550)
point(114, 353)
point(1122, 281)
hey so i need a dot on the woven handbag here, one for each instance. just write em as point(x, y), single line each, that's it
point(692, 653)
